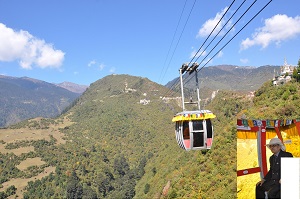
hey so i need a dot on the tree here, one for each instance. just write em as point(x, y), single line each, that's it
point(11, 190)
point(74, 189)
point(104, 183)
point(140, 171)
point(89, 193)
point(121, 166)
point(147, 188)
point(296, 72)
point(2, 195)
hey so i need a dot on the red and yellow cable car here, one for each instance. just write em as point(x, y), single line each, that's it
point(193, 129)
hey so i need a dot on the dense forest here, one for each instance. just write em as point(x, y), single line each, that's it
point(117, 147)
point(275, 102)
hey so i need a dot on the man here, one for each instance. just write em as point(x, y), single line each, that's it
point(271, 182)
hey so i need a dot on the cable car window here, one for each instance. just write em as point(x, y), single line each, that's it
point(198, 139)
point(177, 126)
point(186, 130)
point(209, 128)
point(197, 125)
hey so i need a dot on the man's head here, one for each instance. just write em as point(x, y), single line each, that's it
point(275, 145)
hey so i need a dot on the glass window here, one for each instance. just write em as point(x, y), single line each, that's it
point(197, 125)
point(209, 128)
point(186, 130)
point(198, 139)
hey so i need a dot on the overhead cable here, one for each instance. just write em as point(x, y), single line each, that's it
point(211, 32)
point(232, 37)
point(220, 29)
point(227, 32)
point(160, 77)
point(224, 36)
point(176, 82)
point(179, 38)
point(237, 33)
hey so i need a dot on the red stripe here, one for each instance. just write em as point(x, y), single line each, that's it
point(239, 123)
point(298, 126)
point(248, 171)
point(263, 152)
point(209, 142)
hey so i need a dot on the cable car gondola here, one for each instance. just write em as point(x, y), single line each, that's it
point(193, 129)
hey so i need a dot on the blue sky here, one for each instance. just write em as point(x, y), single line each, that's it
point(83, 41)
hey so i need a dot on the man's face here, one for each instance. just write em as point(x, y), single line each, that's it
point(275, 148)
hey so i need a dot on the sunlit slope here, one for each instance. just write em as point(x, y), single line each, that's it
point(270, 102)
point(275, 102)
point(120, 143)
point(119, 123)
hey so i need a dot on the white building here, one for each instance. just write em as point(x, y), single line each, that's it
point(286, 72)
point(286, 68)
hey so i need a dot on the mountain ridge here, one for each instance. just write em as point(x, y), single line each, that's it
point(230, 74)
point(75, 88)
point(211, 79)
point(116, 146)
point(24, 98)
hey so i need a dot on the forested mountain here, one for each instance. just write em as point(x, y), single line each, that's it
point(228, 77)
point(23, 98)
point(119, 142)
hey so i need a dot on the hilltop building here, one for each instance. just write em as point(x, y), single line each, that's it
point(286, 72)
point(287, 69)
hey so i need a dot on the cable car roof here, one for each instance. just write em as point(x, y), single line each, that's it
point(193, 115)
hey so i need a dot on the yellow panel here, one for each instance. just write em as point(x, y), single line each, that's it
point(253, 135)
point(193, 117)
point(290, 130)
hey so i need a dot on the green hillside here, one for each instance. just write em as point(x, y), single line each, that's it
point(120, 143)
point(275, 102)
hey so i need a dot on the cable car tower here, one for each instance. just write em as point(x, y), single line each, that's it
point(193, 129)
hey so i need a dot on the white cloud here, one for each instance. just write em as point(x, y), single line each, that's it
point(28, 50)
point(193, 53)
point(244, 61)
point(210, 24)
point(220, 54)
point(93, 62)
point(97, 66)
point(101, 66)
point(276, 29)
point(112, 70)
point(49, 57)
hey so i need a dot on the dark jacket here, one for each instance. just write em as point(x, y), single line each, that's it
point(275, 166)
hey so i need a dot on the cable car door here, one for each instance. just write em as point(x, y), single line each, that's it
point(198, 133)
